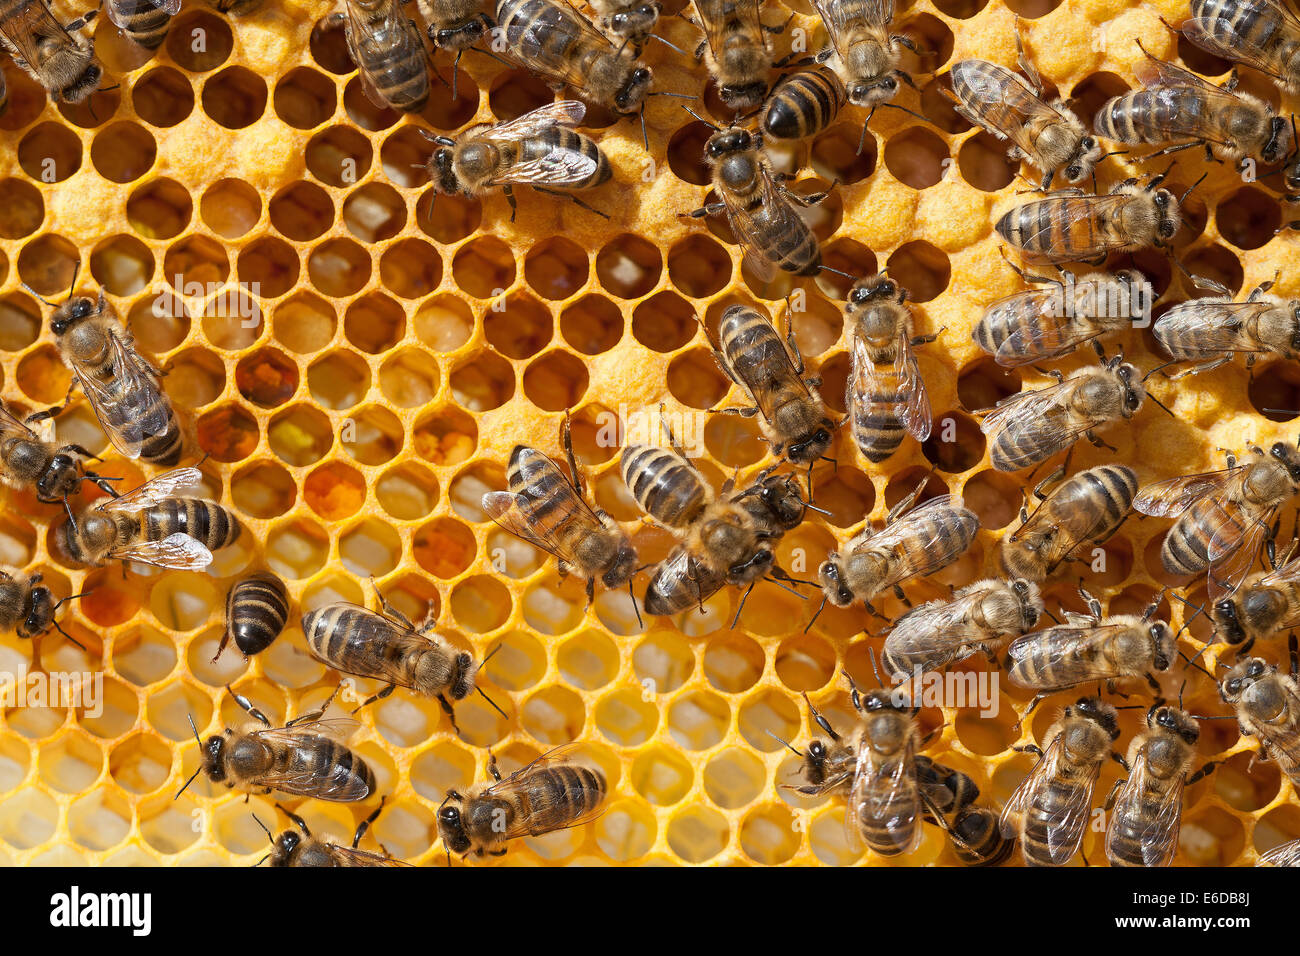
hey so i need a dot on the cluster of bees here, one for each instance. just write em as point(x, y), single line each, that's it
point(1224, 520)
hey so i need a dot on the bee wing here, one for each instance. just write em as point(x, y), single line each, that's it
point(531, 40)
point(308, 781)
point(916, 413)
point(12, 427)
point(119, 19)
point(1051, 336)
point(1213, 32)
point(1085, 243)
point(675, 572)
point(1173, 496)
point(1220, 327)
point(1028, 403)
point(986, 87)
point(1067, 646)
point(335, 728)
point(779, 218)
point(31, 31)
point(506, 509)
point(1041, 422)
point(1288, 854)
point(1285, 576)
point(1065, 829)
point(1076, 524)
point(177, 483)
point(559, 167)
point(924, 557)
point(935, 630)
point(842, 17)
point(354, 857)
point(1018, 805)
point(177, 551)
point(550, 758)
point(720, 17)
point(134, 396)
point(890, 799)
point(560, 113)
point(1159, 837)
point(1233, 549)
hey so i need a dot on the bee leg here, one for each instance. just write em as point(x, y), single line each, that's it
point(1155, 684)
point(298, 821)
point(451, 714)
point(1051, 372)
point(1262, 288)
point(492, 767)
point(822, 722)
point(391, 611)
point(898, 593)
point(318, 713)
point(1047, 481)
point(510, 198)
point(374, 697)
point(247, 705)
point(712, 209)
point(906, 503)
point(81, 21)
point(1110, 798)
point(1205, 367)
point(1029, 748)
point(573, 199)
point(501, 852)
point(1025, 64)
point(1202, 773)
point(575, 473)
point(221, 646)
point(1099, 442)
point(1119, 759)
point(364, 825)
point(1295, 655)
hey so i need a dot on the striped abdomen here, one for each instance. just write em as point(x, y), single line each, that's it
point(141, 416)
point(1159, 115)
point(1021, 443)
point(551, 798)
point(1187, 545)
point(392, 55)
point(979, 841)
point(205, 521)
point(996, 98)
point(1088, 507)
point(353, 640)
point(1059, 229)
point(1051, 800)
point(257, 609)
point(664, 485)
point(1007, 316)
point(878, 426)
point(883, 808)
point(321, 767)
point(549, 38)
point(803, 104)
point(1130, 832)
point(560, 138)
point(782, 237)
point(553, 510)
point(142, 21)
point(1257, 32)
point(755, 352)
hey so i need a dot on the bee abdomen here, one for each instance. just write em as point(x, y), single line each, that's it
point(340, 774)
point(1186, 549)
point(205, 521)
point(1152, 116)
point(146, 24)
point(257, 609)
point(985, 845)
point(803, 104)
point(560, 138)
point(665, 486)
point(343, 636)
point(557, 796)
point(1040, 822)
point(1124, 841)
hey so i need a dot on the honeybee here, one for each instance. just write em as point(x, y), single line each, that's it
point(775, 502)
point(388, 52)
point(305, 757)
point(803, 104)
point(1287, 854)
point(546, 795)
point(26, 461)
point(555, 41)
point(722, 542)
point(1032, 426)
point(455, 24)
point(1092, 647)
point(158, 523)
point(979, 617)
point(537, 149)
point(735, 50)
point(863, 52)
point(1177, 105)
point(1048, 136)
point(123, 387)
point(27, 607)
point(1267, 602)
point(828, 766)
point(1142, 829)
point(627, 21)
point(1068, 226)
point(257, 608)
point(1215, 329)
point(886, 394)
point(388, 647)
point(1223, 515)
point(912, 543)
point(1049, 811)
point(794, 419)
point(144, 21)
point(65, 65)
point(1089, 507)
point(761, 211)
point(973, 830)
point(551, 512)
point(1053, 320)
point(1268, 708)
point(1263, 34)
point(294, 848)
point(885, 803)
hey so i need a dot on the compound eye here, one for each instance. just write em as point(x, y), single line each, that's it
point(817, 749)
point(1256, 669)
point(890, 84)
point(858, 296)
point(1074, 172)
point(1233, 686)
point(1088, 142)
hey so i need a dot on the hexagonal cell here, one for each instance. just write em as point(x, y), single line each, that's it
point(686, 153)
point(23, 213)
point(444, 547)
point(480, 604)
point(301, 211)
point(374, 212)
point(42, 376)
point(228, 433)
point(48, 263)
point(698, 833)
point(629, 266)
point(363, 112)
point(235, 98)
point(304, 323)
point(339, 156)
point(444, 323)
point(482, 382)
point(734, 778)
point(372, 435)
point(921, 269)
point(984, 163)
point(162, 97)
point(410, 268)
point(409, 379)
point(457, 217)
point(338, 267)
point(339, 379)
point(140, 764)
point(49, 153)
point(407, 492)
point(518, 326)
point(335, 491)
point(99, 820)
point(29, 819)
point(304, 98)
point(447, 437)
point(555, 381)
point(263, 490)
point(297, 549)
point(484, 267)
point(268, 267)
point(661, 776)
point(371, 549)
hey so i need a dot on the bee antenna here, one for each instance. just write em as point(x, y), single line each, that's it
point(73, 597)
point(639, 623)
point(60, 629)
point(715, 128)
point(1191, 187)
point(494, 56)
point(812, 507)
point(39, 297)
point(1161, 404)
point(655, 36)
point(1159, 178)
point(484, 695)
point(676, 96)
point(1113, 152)
point(266, 830)
point(194, 730)
point(1281, 411)
point(821, 607)
point(871, 652)
point(1180, 693)
point(645, 144)
point(491, 654)
point(188, 782)
point(1191, 662)
point(1199, 608)
point(895, 106)
point(785, 743)
point(1158, 368)
point(743, 598)
point(826, 268)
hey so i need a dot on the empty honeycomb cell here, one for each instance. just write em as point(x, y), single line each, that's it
point(304, 98)
point(518, 326)
point(456, 218)
point(835, 156)
point(195, 378)
point(983, 733)
point(734, 441)
point(805, 662)
point(518, 661)
point(410, 268)
point(268, 267)
point(140, 764)
point(363, 112)
point(17, 539)
point(921, 269)
point(162, 97)
point(23, 211)
point(20, 322)
point(588, 661)
point(905, 481)
point(1275, 386)
point(983, 383)
point(1211, 836)
point(182, 601)
point(15, 759)
point(108, 600)
point(447, 437)
point(1217, 263)
point(1032, 9)
point(483, 382)
point(627, 717)
point(915, 157)
point(554, 606)
point(372, 436)
point(168, 827)
point(304, 323)
point(662, 776)
point(339, 156)
point(235, 97)
point(848, 495)
point(297, 549)
point(734, 778)
point(374, 212)
point(444, 323)
point(591, 325)
point(686, 153)
point(553, 715)
point(664, 322)
point(628, 266)
point(27, 98)
point(123, 265)
point(49, 153)
point(480, 604)
point(1248, 218)
point(158, 323)
point(994, 496)
point(556, 268)
point(484, 267)
point(228, 433)
point(694, 379)
point(984, 164)
point(625, 831)
point(1280, 825)
point(334, 491)
point(42, 375)
point(99, 820)
point(698, 833)
point(29, 819)
point(199, 40)
point(267, 377)
point(159, 209)
point(70, 763)
point(370, 549)
point(768, 835)
point(263, 490)
point(405, 721)
point(699, 720)
point(117, 713)
point(338, 267)
point(766, 713)
point(35, 722)
point(699, 266)
point(555, 381)
point(123, 152)
point(195, 261)
point(956, 443)
point(409, 379)
point(374, 323)
point(404, 157)
point(169, 710)
point(515, 92)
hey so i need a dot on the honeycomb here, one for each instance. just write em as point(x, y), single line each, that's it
point(356, 362)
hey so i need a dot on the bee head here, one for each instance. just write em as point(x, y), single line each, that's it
point(635, 23)
point(1099, 712)
point(728, 141)
point(39, 612)
point(451, 827)
point(460, 36)
point(214, 749)
point(71, 313)
point(810, 447)
point(1243, 675)
point(442, 170)
point(1175, 721)
point(1084, 159)
point(879, 286)
point(1166, 213)
point(1134, 393)
point(1287, 456)
point(1279, 140)
point(781, 503)
point(630, 95)
point(624, 566)
point(872, 93)
point(814, 762)
point(85, 84)
point(462, 676)
point(285, 846)
point(1166, 644)
point(1031, 601)
point(830, 578)
point(1228, 625)
point(878, 700)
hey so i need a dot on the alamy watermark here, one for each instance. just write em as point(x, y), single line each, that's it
point(976, 690)
point(83, 690)
point(220, 300)
point(650, 426)
point(1101, 297)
